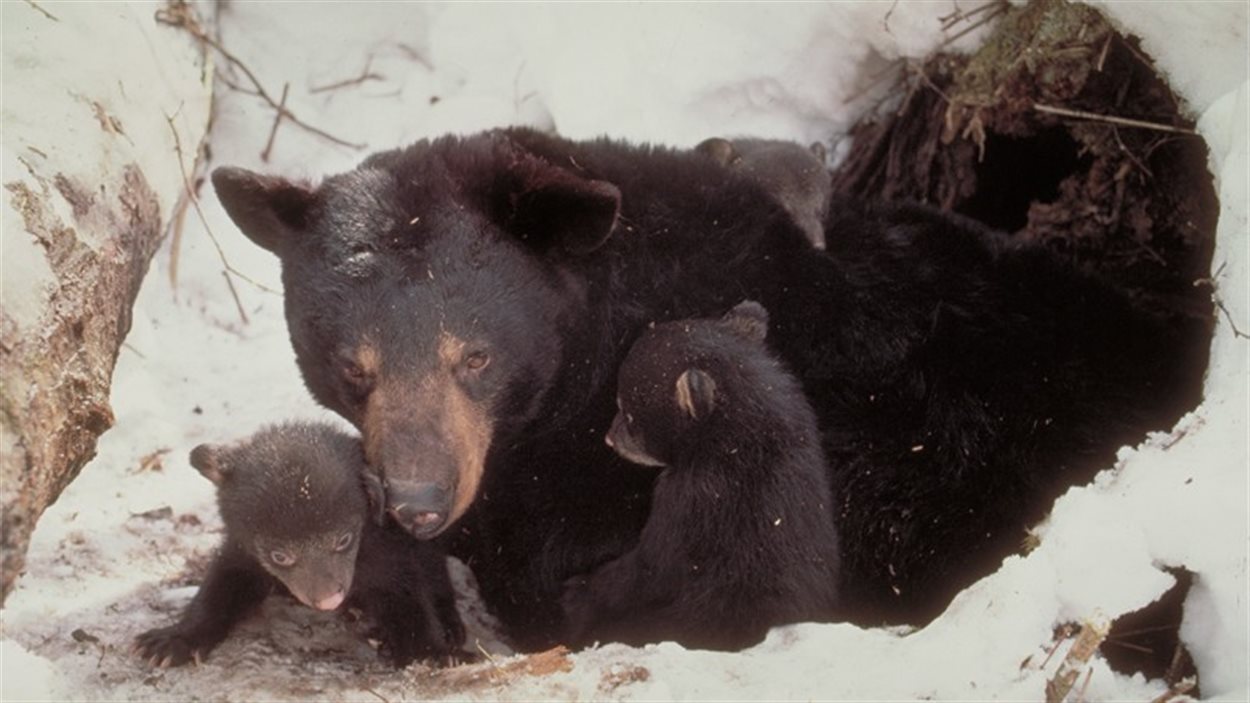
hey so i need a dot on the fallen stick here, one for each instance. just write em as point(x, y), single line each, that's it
point(1110, 119)
point(1087, 641)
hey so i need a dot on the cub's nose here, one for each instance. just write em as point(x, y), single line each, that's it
point(420, 508)
point(330, 602)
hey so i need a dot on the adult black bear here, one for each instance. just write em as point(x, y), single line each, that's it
point(294, 507)
point(466, 302)
point(741, 534)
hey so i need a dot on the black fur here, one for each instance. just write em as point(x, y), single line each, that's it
point(295, 489)
point(960, 381)
point(792, 175)
point(740, 536)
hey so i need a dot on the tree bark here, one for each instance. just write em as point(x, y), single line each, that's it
point(86, 199)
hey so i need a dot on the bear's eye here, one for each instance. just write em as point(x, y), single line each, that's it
point(281, 558)
point(343, 542)
point(477, 361)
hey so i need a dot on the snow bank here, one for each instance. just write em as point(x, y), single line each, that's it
point(674, 73)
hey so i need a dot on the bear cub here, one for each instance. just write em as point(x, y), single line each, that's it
point(795, 177)
point(741, 536)
point(296, 500)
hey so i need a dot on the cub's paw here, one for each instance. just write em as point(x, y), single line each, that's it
point(578, 603)
point(455, 657)
point(402, 643)
point(453, 629)
point(169, 646)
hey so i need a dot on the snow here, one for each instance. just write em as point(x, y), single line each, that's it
point(192, 371)
point(86, 92)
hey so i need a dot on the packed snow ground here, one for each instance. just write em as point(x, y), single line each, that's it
point(121, 550)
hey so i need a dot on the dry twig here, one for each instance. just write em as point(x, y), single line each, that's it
point(180, 16)
point(1213, 282)
point(235, 294)
point(195, 202)
point(957, 15)
point(1091, 636)
point(1179, 688)
point(1000, 8)
point(277, 120)
point(365, 75)
point(42, 11)
point(1110, 119)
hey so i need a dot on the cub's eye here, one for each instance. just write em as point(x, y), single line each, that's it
point(344, 541)
point(477, 360)
point(281, 558)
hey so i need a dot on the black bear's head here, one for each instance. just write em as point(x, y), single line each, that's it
point(680, 378)
point(291, 496)
point(427, 296)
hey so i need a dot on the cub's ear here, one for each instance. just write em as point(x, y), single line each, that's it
point(377, 497)
point(207, 459)
point(270, 210)
point(721, 151)
point(696, 393)
point(748, 319)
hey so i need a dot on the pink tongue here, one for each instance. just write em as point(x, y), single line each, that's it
point(329, 602)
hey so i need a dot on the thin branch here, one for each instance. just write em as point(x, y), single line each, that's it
point(277, 120)
point(1102, 55)
point(235, 294)
point(1179, 688)
point(875, 79)
point(1228, 316)
point(885, 21)
point(1000, 8)
point(1213, 282)
point(229, 83)
point(180, 16)
point(195, 202)
point(365, 75)
point(1124, 148)
point(958, 15)
point(417, 56)
point(1091, 635)
point(42, 11)
point(175, 241)
point(1110, 119)
point(134, 351)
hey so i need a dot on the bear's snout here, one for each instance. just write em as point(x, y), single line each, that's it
point(420, 508)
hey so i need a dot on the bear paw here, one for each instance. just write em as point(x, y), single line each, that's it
point(169, 646)
point(578, 604)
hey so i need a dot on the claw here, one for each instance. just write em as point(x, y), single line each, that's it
point(154, 660)
point(196, 655)
point(165, 662)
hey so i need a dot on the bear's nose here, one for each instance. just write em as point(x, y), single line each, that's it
point(420, 508)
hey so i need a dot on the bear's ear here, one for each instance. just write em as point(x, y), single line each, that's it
point(207, 459)
point(696, 393)
point(579, 214)
point(270, 210)
point(748, 319)
point(547, 206)
point(721, 151)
